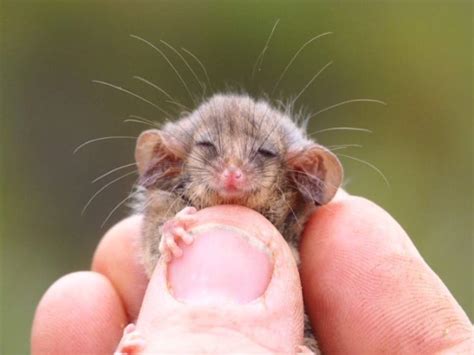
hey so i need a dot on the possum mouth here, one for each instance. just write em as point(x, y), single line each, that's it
point(232, 195)
point(224, 265)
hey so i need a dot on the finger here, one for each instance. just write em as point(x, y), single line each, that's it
point(186, 211)
point(118, 258)
point(186, 219)
point(79, 314)
point(367, 288)
point(235, 289)
point(185, 236)
point(171, 245)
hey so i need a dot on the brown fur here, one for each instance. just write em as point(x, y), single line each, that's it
point(284, 183)
point(286, 174)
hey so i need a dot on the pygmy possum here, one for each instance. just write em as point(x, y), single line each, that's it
point(232, 149)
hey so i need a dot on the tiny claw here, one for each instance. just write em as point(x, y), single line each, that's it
point(129, 328)
point(187, 238)
point(187, 210)
point(173, 247)
point(186, 219)
point(175, 229)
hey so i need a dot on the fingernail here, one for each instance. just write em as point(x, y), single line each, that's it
point(220, 266)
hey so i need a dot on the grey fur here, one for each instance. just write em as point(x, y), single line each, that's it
point(287, 174)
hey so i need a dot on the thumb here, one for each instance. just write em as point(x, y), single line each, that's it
point(235, 289)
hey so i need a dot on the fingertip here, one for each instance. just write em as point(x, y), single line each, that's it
point(239, 274)
point(354, 224)
point(188, 238)
point(79, 313)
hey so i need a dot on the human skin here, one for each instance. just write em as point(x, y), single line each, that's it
point(366, 289)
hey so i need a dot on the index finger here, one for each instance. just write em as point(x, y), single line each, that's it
point(368, 290)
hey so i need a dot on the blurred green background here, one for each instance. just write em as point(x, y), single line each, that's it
point(415, 55)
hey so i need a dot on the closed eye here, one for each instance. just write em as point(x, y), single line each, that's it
point(266, 153)
point(205, 144)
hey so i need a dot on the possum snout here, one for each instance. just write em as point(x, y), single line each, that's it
point(231, 180)
point(232, 176)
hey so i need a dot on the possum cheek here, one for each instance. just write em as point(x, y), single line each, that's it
point(199, 195)
point(316, 172)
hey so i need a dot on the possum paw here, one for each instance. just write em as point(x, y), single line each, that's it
point(132, 341)
point(176, 229)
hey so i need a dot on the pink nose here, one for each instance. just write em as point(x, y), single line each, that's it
point(232, 176)
point(232, 172)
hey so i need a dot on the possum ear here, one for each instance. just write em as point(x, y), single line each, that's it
point(157, 154)
point(316, 172)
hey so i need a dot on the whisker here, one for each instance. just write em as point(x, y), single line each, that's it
point(294, 58)
point(112, 171)
point(343, 146)
point(180, 105)
point(145, 205)
point(131, 120)
point(203, 87)
point(347, 102)
point(306, 189)
point(259, 61)
point(200, 64)
point(265, 138)
point(145, 181)
point(169, 62)
point(171, 98)
point(103, 188)
point(143, 119)
point(368, 164)
point(312, 176)
point(341, 129)
point(311, 81)
point(115, 209)
point(174, 202)
point(289, 206)
point(79, 147)
point(119, 88)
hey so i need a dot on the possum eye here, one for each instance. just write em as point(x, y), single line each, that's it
point(266, 153)
point(206, 144)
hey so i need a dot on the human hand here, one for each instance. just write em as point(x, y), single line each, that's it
point(366, 288)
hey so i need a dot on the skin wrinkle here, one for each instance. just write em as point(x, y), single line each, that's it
point(196, 329)
point(208, 342)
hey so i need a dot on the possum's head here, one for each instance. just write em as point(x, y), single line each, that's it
point(233, 149)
